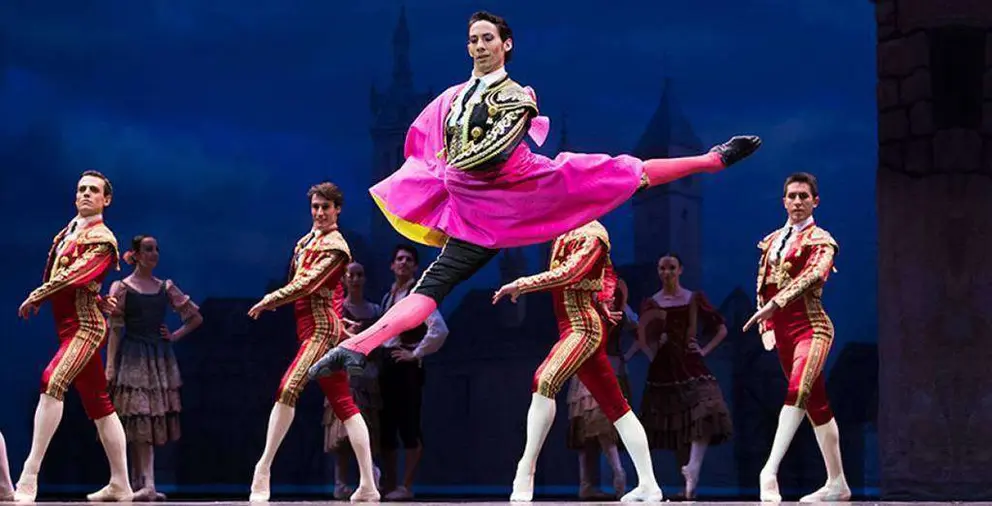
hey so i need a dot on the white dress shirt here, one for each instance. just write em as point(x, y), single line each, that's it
point(75, 226)
point(788, 236)
point(486, 81)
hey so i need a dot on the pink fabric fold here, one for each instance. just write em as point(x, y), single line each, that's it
point(529, 199)
point(539, 128)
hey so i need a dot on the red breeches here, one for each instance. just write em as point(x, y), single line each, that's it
point(802, 351)
point(580, 351)
point(77, 362)
point(335, 387)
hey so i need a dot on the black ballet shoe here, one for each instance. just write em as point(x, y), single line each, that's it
point(337, 359)
point(737, 148)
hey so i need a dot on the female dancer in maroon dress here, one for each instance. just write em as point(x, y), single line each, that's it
point(682, 408)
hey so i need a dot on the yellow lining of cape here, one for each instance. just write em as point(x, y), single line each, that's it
point(413, 231)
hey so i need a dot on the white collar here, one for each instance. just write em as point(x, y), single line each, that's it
point(798, 227)
point(317, 233)
point(491, 77)
point(81, 222)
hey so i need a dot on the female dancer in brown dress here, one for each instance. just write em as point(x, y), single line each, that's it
point(141, 365)
point(683, 408)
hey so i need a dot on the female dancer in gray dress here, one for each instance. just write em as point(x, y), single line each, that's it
point(141, 365)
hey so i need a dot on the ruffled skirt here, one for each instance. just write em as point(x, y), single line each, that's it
point(586, 420)
point(676, 414)
point(365, 391)
point(145, 391)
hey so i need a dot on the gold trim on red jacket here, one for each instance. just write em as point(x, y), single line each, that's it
point(581, 248)
point(315, 260)
point(81, 261)
point(816, 247)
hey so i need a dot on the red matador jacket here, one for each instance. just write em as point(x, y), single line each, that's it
point(795, 280)
point(581, 274)
point(319, 263)
point(73, 278)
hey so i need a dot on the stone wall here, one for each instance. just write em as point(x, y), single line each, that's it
point(935, 238)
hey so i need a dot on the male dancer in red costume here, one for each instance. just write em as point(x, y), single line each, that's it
point(471, 186)
point(795, 263)
point(581, 281)
point(81, 256)
point(319, 260)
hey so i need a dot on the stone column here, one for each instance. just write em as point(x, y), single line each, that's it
point(934, 192)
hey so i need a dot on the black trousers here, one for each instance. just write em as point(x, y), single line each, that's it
point(458, 261)
point(402, 387)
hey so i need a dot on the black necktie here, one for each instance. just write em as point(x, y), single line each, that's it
point(785, 239)
point(468, 94)
point(72, 228)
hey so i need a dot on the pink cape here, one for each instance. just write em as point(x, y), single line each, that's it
point(530, 199)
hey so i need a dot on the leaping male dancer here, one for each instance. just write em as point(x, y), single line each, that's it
point(470, 186)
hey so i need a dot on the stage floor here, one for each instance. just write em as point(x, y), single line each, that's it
point(461, 502)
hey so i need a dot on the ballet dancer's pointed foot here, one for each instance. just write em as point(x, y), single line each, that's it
point(7, 492)
point(337, 359)
point(587, 492)
point(836, 491)
point(400, 493)
point(691, 476)
point(145, 494)
point(26, 489)
point(619, 483)
point(114, 492)
point(769, 487)
point(342, 490)
point(365, 494)
point(644, 493)
point(259, 486)
point(523, 488)
point(736, 149)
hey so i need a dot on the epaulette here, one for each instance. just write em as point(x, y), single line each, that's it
point(764, 243)
point(100, 234)
point(332, 241)
point(510, 96)
point(595, 229)
point(820, 237)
